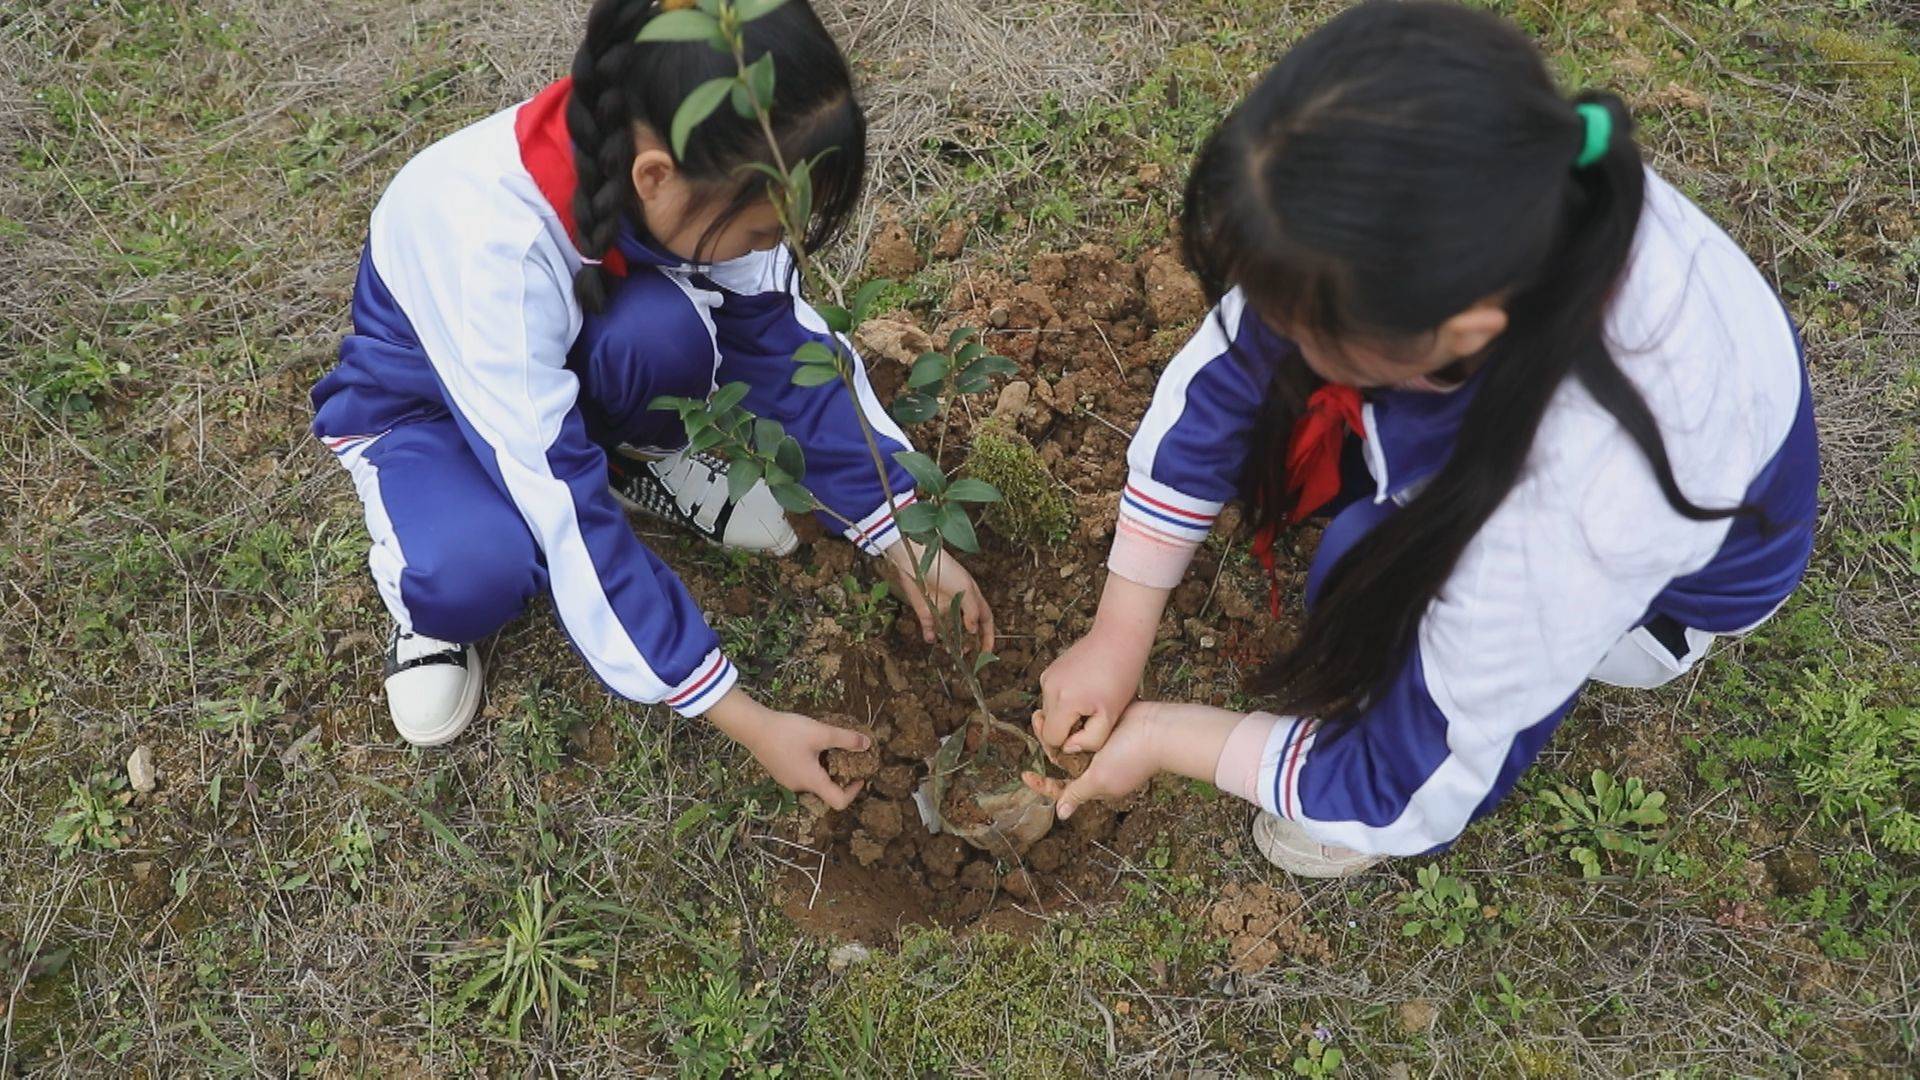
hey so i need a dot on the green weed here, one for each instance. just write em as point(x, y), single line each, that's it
point(535, 731)
point(1440, 906)
point(94, 817)
point(530, 966)
point(715, 1024)
point(1608, 822)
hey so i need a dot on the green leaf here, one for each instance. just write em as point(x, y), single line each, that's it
point(970, 382)
point(679, 26)
point(912, 408)
point(916, 520)
point(767, 435)
point(742, 474)
point(814, 375)
point(790, 458)
point(930, 369)
point(958, 529)
point(728, 396)
point(982, 660)
point(749, 10)
point(742, 101)
point(699, 105)
point(995, 364)
point(960, 337)
point(838, 319)
point(969, 489)
point(929, 554)
point(816, 352)
point(970, 352)
point(793, 498)
point(799, 187)
point(864, 299)
point(925, 470)
point(706, 439)
point(760, 81)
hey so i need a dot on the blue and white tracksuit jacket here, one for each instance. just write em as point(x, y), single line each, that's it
point(1584, 552)
point(474, 397)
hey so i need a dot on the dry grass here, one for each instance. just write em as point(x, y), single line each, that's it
point(182, 570)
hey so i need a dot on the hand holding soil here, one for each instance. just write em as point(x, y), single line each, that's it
point(789, 745)
point(1124, 765)
point(1084, 692)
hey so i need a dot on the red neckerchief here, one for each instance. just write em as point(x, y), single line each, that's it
point(546, 152)
point(1313, 468)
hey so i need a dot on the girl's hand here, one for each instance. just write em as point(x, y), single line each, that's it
point(1097, 678)
point(1093, 681)
point(1130, 758)
point(789, 745)
point(946, 579)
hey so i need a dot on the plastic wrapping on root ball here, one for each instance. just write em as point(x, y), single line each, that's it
point(1012, 818)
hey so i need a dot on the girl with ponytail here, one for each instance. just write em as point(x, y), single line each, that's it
point(1559, 422)
point(530, 285)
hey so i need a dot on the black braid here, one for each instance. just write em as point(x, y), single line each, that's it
point(600, 121)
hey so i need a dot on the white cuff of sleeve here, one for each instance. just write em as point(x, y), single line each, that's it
point(878, 531)
point(710, 681)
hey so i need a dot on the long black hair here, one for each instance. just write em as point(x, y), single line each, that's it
point(1406, 161)
point(618, 81)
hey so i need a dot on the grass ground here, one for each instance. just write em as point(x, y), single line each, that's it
point(184, 191)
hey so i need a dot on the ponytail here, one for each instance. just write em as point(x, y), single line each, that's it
point(1403, 163)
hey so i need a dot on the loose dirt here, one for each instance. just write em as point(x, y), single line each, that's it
point(1089, 331)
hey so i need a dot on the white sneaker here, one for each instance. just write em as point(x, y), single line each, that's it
point(433, 687)
point(691, 490)
point(1287, 846)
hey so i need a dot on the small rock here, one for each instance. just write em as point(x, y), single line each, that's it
point(140, 771)
point(1013, 400)
point(891, 339)
point(1417, 1016)
point(952, 241)
point(892, 254)
point(999, 317)
point(849, 955)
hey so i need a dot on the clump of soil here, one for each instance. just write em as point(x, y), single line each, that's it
point(1090, 331)
point(1261, 923)
point(847, 766)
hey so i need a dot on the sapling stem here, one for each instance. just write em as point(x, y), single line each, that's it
point(783, 192)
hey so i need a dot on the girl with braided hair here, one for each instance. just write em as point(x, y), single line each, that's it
point(530, 284)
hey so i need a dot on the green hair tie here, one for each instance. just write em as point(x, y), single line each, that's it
point(1599, 134)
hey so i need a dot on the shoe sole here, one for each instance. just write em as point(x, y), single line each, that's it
point(463, 713)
